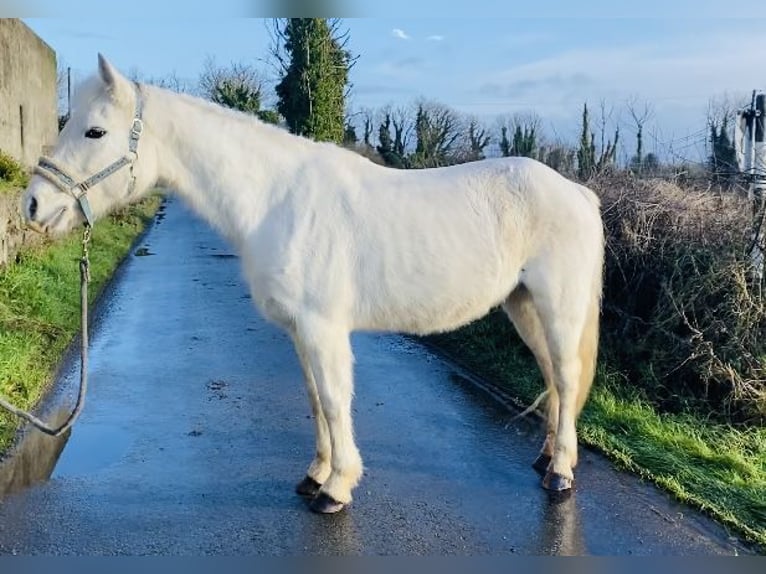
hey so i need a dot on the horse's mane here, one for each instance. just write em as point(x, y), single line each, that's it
point(93, 87)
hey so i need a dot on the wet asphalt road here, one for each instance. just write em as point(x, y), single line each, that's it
point(196, 429)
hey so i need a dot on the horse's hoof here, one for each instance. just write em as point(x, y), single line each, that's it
point(308, 487)
point(541, 464)
point(556, 482)
point(325, 504)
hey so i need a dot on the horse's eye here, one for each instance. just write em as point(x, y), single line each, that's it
point(95, 133)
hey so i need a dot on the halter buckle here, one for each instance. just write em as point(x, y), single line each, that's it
point(82, 200)
point(137, 128)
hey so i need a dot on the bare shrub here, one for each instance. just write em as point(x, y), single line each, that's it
point(681, 310)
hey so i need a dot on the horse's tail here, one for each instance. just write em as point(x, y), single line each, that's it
point(590, 335)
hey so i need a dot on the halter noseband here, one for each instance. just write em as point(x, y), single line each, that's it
point(59, 177)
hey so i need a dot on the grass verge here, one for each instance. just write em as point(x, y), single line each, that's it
point(40, 304)
point(714, 467)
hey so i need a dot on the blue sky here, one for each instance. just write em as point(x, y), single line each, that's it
point(545, 60)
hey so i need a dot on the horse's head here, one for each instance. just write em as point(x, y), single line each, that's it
point(95, 164)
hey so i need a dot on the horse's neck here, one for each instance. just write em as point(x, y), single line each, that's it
point(225, 167)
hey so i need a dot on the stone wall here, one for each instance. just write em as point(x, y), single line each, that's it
point(28, 92)
point(28, 117)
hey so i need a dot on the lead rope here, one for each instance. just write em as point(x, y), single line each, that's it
point(84, 280)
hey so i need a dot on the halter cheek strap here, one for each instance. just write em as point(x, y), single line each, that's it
point(59, 177)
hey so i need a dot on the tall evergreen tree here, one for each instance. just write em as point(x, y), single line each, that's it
point(524, 141)
point(391, 149)
point(723, 156)
point(315, 65)
point(349, 135)
point(590, 163)
point(586, 153)
point(505, 143)
point(368, 128)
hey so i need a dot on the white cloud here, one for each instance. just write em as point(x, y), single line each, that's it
point(435, 38)
point(678, 76)
point(399, 33)
point(683, 73)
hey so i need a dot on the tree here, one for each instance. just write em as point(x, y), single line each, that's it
point(723, 157)
point(238, 86)
point(722, 160)
point(560, 157)
point(505, 143)
point(436, 131)
point(651, 163)
point(385, 142)
point(640, 115)
point(392, 149)
point(477, 141)
point(367, 121)
point(314, 64)
point(64, 93)
point(402, 124)
point(349, 135)
point(524, 130)
point(586, 154)
point(524, 142)
point(270, 116)
point(589, 163)
point(238, 96)
point(608, 153)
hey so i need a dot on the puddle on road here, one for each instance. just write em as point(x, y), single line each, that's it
point(97, 446)
point(32, 459)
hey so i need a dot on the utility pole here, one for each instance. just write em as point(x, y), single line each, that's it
point(754, 167)
point(69, 91)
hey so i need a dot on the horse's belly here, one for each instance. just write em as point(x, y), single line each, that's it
point(429, 310)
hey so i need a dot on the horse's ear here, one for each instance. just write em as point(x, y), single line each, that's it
point(112, 79)
point(106, 71)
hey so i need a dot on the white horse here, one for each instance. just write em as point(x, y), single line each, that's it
point(332, 243)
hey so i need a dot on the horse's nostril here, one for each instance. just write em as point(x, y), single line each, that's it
point(32, 208)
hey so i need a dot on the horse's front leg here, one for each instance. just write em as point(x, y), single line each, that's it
point(319, 469)
point(328, 353)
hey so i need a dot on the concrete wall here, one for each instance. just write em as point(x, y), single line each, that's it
point(28, 96)
point(28, 117)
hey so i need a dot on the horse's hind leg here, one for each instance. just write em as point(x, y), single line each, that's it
point(319, 469)
point(568, 309)
point(521, 310)
point(328, 353)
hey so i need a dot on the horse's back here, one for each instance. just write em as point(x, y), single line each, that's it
point(414, 250)
point(440, 247)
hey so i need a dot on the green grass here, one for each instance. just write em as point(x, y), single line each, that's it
point(40, 304)
point(9, 186)
point(12, 174)
point(716, 468)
